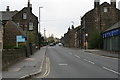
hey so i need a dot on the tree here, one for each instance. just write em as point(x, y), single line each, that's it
point(95, 39)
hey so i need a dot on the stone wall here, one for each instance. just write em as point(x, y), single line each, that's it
point(11, 56)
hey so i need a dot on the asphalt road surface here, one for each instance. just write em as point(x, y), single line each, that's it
point(71, 63)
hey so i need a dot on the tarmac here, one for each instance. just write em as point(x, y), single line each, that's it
point(34, 64)
point(26, 67)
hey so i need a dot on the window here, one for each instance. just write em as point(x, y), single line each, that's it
point(24, 16)
point(30, 26)
point(105, 9)
point(18, 24)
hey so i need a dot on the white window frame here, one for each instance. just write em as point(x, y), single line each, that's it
point(105, 9)
point(31, 26)
point(24, 16)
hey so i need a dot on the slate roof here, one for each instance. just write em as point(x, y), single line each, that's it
point(7, 15)
point(17, 27)
point(115, 26)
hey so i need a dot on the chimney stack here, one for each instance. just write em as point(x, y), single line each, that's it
point(96, 3)
point(113, 3)
point(69, 29)
point(7, 9)
point(30, 5)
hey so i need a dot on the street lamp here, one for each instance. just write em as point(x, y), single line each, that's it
point(39, 18)
point(86, 42)
point(39, 29)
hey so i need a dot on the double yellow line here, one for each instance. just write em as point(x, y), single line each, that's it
point(47, 72)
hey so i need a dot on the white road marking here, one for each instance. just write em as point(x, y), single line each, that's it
point(77, 56)
point(111, 70)
point(62, 64)
point(89, 61)
point(85, 59)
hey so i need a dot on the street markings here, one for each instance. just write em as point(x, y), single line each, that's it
point(47, 72)
point(77, 56)
point(94, 63)
point(89, 61)
point(111, 70)
point(62, 64)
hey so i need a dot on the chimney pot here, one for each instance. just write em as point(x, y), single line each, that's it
point(113, 3)
point(96, 3)
point(7, 8)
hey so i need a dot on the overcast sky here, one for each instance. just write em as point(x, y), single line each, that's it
point(56, 15)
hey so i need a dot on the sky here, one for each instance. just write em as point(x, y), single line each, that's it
point(56, 15)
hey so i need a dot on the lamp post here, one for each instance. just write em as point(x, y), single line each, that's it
point(39, 28)
point(39, 18)
point(86, 42)
point(27, 33)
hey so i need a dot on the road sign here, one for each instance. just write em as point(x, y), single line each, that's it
point(20, 38)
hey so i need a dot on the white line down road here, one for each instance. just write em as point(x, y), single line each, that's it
point(63, 64)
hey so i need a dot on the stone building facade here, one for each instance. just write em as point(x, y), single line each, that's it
point(96, 21)
point(77, 37)
point(93, 24)
point(21, 19)
point(70, 38)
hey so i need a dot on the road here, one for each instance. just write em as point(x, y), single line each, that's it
point(71, 63)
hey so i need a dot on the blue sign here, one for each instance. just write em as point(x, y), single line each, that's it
point(20, 38)
point(111, 33)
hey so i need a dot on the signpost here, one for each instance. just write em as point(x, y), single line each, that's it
point(20, 39)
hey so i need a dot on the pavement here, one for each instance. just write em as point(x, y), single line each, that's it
point(103, 53)
point(27, 67)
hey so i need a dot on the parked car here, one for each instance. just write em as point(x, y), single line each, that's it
point(51, 44)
